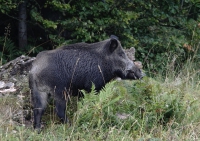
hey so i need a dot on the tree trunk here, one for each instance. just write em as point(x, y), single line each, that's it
point(22, 29)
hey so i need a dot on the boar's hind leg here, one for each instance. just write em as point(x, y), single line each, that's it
point(40, 102)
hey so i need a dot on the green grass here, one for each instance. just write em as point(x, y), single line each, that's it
point(154, 109)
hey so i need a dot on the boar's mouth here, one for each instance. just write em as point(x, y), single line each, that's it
point(135, 74)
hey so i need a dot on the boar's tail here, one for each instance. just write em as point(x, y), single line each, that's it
point(31, 81)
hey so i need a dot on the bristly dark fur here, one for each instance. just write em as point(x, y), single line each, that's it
point(67, 70)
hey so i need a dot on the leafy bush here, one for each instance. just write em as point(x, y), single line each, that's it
point(142, 105)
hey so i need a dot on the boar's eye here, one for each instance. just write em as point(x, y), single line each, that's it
point(121, 54)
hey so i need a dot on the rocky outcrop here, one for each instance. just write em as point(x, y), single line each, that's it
point(18, 66)
point(14, 90)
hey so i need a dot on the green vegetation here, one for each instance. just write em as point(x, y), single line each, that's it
point(162, 106)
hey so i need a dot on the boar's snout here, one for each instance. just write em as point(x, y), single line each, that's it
point(135, 73)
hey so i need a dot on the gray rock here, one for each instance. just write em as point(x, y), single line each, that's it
point(2, 83)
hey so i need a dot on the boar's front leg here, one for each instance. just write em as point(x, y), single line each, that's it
point(60, 103)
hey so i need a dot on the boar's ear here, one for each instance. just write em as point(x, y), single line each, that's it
point(114, 37)
point(113, 45)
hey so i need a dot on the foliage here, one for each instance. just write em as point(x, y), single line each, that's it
point(166, 36)
point(155, 28)
point(166, 27)
point(98, 106)
point(10, 51)
point(145, 105)
point(7, 5)
point(85, 25)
